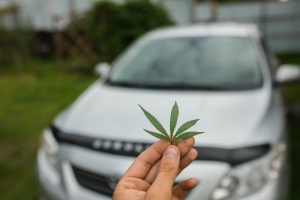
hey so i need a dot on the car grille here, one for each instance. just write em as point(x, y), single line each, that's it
point(96, 182)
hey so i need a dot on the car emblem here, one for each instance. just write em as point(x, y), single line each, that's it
point(113, 180)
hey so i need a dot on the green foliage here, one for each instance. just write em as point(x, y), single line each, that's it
point(163, 135)
point(112, 27)
point(103, 32)
point(186, 126)
point(142, 16)
point(187, 135)
point(105, 26)
point(289, 58)
point(30, 98)
point(14, 45)
point(157, 135)
point(155, 122)
point(174, 118)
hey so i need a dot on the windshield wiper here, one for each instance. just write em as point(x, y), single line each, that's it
point(178, 86)
point(182, 86)
point(122, 84)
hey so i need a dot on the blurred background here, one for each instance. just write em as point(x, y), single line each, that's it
point(48, 50)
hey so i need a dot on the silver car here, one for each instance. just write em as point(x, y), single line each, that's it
point(220, 73)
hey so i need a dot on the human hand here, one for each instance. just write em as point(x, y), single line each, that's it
point(152, 174)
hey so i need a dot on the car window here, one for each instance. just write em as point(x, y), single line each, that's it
point(216, 63)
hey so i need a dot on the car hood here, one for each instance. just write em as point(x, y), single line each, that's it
point(228, 118)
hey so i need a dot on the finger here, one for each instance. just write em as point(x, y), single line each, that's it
point(184, 162)
point(187, 160)
point(185, 145)
point(184, 187)
point(184, 148)
point(145, 161)
point(167, 173)
point(152, 173)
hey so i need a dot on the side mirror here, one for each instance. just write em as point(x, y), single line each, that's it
point(287, 74)
point(102, 69)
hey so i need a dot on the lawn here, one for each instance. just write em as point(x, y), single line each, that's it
point(30, 98)
point(33, 95)
point(292, 100)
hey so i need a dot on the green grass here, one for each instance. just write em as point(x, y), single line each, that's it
point(294, 128)
point(291, 95)
point(30, 98)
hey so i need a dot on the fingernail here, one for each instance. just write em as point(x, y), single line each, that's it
point(171, 153)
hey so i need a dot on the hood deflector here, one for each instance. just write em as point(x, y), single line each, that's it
point(233, 156)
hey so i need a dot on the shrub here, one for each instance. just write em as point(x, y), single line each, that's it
point(141, 17)
point(104, 24)
point(103, 32)
point(14, 47)
point(112, 27)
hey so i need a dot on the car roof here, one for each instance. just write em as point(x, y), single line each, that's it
point(207, 29)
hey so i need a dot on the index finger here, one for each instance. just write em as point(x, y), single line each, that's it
point(146, 160)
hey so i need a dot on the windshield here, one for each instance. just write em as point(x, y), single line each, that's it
point(202, 63)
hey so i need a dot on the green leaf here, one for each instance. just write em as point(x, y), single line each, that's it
point(158, 135)
point(179, 135)
point(187, 135)
point(174, 117)
point(186, 126)
point(155, 122)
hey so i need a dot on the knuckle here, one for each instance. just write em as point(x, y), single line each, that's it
point(146, 162)
point(157, 149)
point(189, 142)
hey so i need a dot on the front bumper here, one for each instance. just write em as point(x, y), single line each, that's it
point(61, 184)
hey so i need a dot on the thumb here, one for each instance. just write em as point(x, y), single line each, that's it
point(167, 173)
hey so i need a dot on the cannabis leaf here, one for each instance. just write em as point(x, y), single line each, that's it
point(155, 122)
point(174, 117)
point(179, 134)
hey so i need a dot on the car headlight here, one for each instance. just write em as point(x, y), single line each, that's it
point(249, 178)
point(50, 146)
